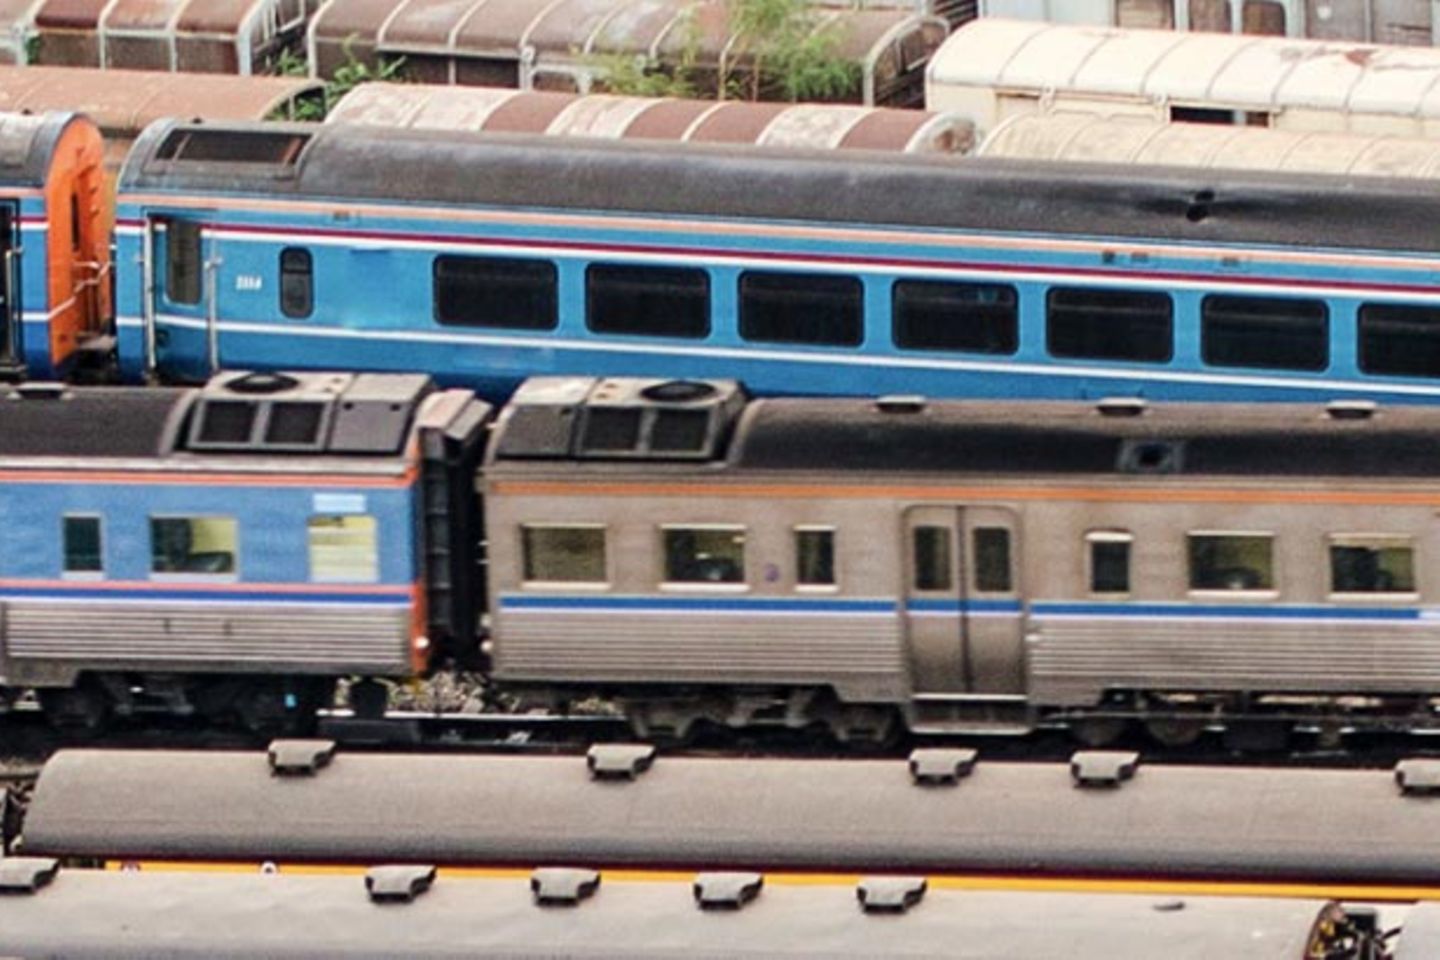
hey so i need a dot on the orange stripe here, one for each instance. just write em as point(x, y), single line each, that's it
point(141, 477)
point(945, 494)
point(1018, 884)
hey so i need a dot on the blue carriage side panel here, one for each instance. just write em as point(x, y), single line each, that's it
point(345, 247)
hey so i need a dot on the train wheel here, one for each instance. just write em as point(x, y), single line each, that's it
point(369, 698)
point(1099, 731)
point(83, 708)
point(1175, 731)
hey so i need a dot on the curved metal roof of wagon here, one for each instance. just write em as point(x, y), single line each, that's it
point(88, 30)
point(1239, 824)
point(967, 437)
point(816, 126)
point(1234, 70)
point(1092, 138)
point(101, 914)
point(351, 163)
point(118, 422)
point(17, 29)
point(565, 30)
point(124, 102)
point(28, 142)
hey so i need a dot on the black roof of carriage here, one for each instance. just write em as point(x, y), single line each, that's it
point(987, 437)
point(375, 163)
point(50, 421)
point(27, 145)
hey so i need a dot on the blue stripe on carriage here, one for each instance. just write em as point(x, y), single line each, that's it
point(1207, 611)
point(691, 604)
point(962, 606)
point(202, 596)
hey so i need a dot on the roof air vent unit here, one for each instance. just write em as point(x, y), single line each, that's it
point(399, 883)
point(1121, 406)
point(727, 891)
point(906, 403)
point(563, 886)
point(1150, 456)
point(1351, 409)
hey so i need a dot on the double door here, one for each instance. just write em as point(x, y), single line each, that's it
point(963, 613)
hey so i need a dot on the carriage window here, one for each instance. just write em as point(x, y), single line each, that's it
point(182, 261)
point(991, 547)
point(343, 549)
point(704, 554)
point(1109, 561)
point(814, 556)
point(647, 301)
point(1400, 340)
point(1210, 15)
point(563, 554)
point(503, 292)
point(815, 309)
point(1265, 18)
point(297, 287)
point(1402, 22)
point(1265, 332)
point(1145, 14)
point(1369, 564)
point(1232, 561)
point(966, 317)
point(193, 545)
point(932, 557)
point(1109, 324)
point(82, 544)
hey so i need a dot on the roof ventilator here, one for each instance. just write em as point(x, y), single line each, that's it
point(727, 891)
point(41, 390)
point(290, 758)
point(1103, 768)
point(941, 767)
point(563, 886)
point(1351, 409)
point(1417, 777)
point(26, 874)
point(619, 761)
point(398, 883)
point(1121, 406)
point(890, 894)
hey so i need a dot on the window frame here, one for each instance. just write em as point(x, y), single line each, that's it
point(527, 583)
point(1060, 291)
point(806, 587)
point(1093, 537)
point(65, 572)
point(950, 579)
point(1365, 364)
point(194, 576)
point(288, 272)
point(974, 566)
point(909, 287)
point(1373, 539)
point(552, 292)
point(171, 244)
point(375, 548)
point(595, 289)
point(1207, 341)
point(733, 586)
point(744, 319)
point(1257, 593)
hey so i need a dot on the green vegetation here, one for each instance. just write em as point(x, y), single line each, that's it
point(348, 76)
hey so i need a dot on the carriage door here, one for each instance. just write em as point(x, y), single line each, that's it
point(181, 325)
point(963, 611)
point(10, 312)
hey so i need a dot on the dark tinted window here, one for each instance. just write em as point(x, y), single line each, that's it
point(297, 285)
point(294, 423)
point(931, 548)
point(227, 421)
point(801, 308)
point(82, 545)
point(992, 559)
point(1403, 341)
point(647, 301)
point(1109, 563)
point(1265, 332)
point(232, 146)
point(966, 317)
point(1109, 324)
point(182, 261)
point(502, 292)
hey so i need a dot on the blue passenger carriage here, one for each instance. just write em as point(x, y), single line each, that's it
point(482, 260)
point(234, 548)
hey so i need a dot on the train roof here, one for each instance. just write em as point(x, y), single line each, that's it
point(1118, 436)
point(1275, 825)
point(408, 911)
point(28, 144)
point(348, 163)
point(265, 414)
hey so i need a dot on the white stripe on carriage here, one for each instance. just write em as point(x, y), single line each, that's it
point(749, 353)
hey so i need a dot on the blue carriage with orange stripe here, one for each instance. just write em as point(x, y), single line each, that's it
point(234, 549)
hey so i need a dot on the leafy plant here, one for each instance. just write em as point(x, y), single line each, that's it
point(347, 77)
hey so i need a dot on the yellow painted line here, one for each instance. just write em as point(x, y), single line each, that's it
point(978, 882)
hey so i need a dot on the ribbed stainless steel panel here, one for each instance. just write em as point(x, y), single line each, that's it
point(862, 657)
point(1072, 661)
point(271, 637)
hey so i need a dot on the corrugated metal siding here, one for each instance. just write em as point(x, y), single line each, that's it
point(863, 657)
point(219, 635)
point(1072, 661)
